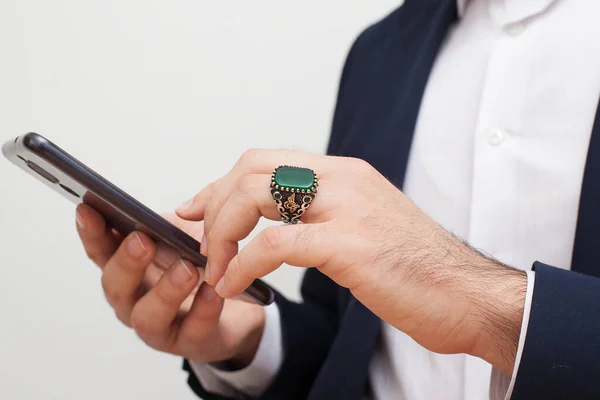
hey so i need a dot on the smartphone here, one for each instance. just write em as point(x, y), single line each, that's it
point(68, 176)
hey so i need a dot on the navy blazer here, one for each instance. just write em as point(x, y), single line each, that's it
point(329, 338)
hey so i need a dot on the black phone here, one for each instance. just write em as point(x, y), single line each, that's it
point(68, 176)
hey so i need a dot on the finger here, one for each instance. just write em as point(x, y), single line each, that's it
point(153, 275)
point(259, 162)
point(305, 245)
point(98, 239)
point(153, 316)
point(201, 321)
point(124, 272)
point(193, 209)
point(236, 220)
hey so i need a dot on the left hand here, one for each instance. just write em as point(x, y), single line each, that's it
point(157, 294)
point(367, 236)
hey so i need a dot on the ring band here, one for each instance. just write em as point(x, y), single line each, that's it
point(293, 189)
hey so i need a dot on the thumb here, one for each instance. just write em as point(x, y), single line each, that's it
point(303, 245)
point(201, 320)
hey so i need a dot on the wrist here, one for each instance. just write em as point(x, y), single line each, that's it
point(498, 313)
point(251, 340)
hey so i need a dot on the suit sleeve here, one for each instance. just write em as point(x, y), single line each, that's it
point(308, 330)
point(561, 356)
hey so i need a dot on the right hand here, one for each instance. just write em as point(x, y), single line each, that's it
point(164, 299)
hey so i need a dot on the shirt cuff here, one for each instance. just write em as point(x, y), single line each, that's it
point(501, 386)
point(253, 380)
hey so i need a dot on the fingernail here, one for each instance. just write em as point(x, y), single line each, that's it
point(182, 273)
point(79, 220)
point(136, 246)
point(220, 285)
point(184, 206)
point(207, 292)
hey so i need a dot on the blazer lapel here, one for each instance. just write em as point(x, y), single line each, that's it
point(586, 250)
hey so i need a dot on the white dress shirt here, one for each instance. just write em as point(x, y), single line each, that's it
point(498, 157)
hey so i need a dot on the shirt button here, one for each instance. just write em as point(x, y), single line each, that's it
point(515, 29)
point(496, 136)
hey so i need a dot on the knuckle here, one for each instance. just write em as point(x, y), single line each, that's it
point(249, 156)
point(141, 325)
point(205, 194)
point(240, 196)
point(125, 320)
point(188, 339)
point(305, 237)
point(94, 256)
point(111, 292)
point(270, 239)
point(359, 164)
point(248, 184)
point(167, 294)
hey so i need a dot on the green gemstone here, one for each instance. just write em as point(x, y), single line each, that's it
point(295, 178)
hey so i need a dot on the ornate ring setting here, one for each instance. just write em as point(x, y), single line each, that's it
point(293, 189)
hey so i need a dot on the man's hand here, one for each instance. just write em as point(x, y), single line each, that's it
point(161, 297)
point(367, 236)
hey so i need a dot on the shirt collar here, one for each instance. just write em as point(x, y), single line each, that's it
point(505, 12)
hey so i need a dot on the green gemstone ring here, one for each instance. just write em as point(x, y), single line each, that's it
point(293, 189)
